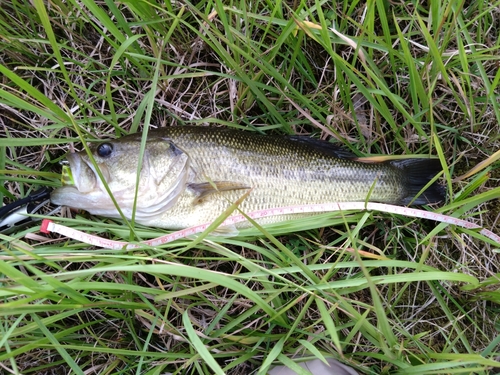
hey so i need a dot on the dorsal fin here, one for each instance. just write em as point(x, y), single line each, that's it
point(324, 147)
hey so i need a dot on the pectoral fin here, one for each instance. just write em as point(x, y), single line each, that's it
point(203, 189)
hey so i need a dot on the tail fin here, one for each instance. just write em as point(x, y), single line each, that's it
point(418, 173)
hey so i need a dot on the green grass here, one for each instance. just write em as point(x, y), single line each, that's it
point(393, 78)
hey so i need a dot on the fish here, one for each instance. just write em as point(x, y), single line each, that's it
point(189, 175)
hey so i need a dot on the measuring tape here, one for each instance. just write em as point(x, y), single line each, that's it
point(49, 226)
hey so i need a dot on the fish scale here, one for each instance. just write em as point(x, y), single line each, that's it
point(279, 170)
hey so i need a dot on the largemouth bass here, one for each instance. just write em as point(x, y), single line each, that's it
point(190, 175)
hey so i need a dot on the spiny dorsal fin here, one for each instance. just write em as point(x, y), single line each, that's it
point(325, 147)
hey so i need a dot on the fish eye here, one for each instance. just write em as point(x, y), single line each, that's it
point(104, 150)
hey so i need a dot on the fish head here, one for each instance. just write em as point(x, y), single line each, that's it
point(114, 168)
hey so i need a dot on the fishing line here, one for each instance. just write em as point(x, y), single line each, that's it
point(49, 226)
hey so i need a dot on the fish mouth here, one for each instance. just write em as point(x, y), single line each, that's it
point(75, 168)
point(82, 175)
point(81, 185)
